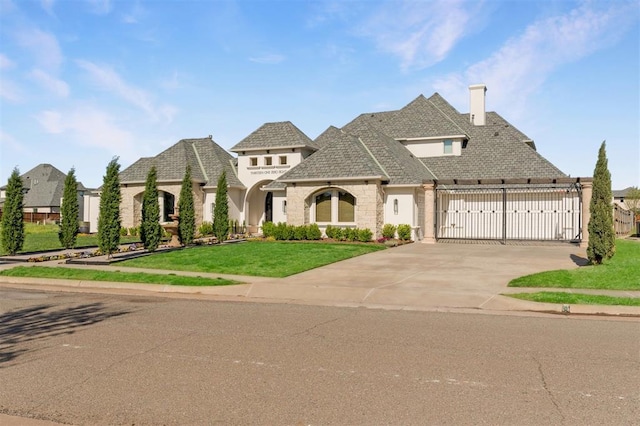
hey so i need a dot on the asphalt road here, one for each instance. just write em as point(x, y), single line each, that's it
point(107, 359)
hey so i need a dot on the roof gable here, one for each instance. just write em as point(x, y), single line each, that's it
point(342, 156)
point(275, 135)
point(205, 157)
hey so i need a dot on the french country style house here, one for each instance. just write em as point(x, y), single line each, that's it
point(447, 174)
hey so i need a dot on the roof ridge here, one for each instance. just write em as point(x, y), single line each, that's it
point(373, 157)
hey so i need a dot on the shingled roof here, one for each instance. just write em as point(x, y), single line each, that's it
point(45, 186)
point(364, 154)
point(206, 158)
point(275, 135)
point(496, 150)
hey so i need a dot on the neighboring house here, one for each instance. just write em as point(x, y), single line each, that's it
point(620, 195)
point(447, 174)
point(44, 187)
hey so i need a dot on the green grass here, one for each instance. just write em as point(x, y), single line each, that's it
point(621, 272)
point(45, 237)
point(255, 258)
point(114, 276)
point(576, 298)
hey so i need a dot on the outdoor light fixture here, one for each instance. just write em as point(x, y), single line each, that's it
point(284, 207)
point(395, 206)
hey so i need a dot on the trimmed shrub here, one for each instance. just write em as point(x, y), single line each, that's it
point(300, 232)
point(404, 232)
point(134, 232)
point(365, 235)
point(389, 230)
point(351, 234)
point(124, 231)
point(330, 231)
point(313, 232)
point(268, 229)
point(205, 229)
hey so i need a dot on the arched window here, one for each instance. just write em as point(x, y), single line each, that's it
point(334, 206)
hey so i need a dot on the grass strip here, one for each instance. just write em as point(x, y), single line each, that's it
point(621, 272)
point(576, 298)
point(254, 258)
point(113, 276)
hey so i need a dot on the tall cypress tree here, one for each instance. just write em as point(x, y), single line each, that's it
point(186, 210)
point(12, 223)
point(221, 210)
point(109, 221)
point(602, 237)
point(70, 211)
point(150, 230)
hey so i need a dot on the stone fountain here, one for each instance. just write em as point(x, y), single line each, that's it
point(172, 229)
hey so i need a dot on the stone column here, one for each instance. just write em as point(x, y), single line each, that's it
point(587, 190)
point(429, 213)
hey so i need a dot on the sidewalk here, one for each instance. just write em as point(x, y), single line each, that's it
point(438, 277)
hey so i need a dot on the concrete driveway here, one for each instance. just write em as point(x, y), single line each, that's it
point(444, 275)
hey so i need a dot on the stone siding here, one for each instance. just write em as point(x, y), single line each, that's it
point(369, 203)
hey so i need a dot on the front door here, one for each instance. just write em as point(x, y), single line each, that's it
point(268, 207)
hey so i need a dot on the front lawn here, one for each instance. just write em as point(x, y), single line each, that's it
point(255, 258)
point(45, 237)
point(112, 276)
point(576, 298)
point(621, 272)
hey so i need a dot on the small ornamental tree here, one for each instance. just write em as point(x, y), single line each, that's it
point(602, 237)
point(109, 221)
point(221, 210)
point(632, 200)
point(12, 224)
point(186, 210)
point(69, 212)
point(150, 230)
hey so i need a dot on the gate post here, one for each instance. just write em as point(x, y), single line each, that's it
point(429, 213)
point(587, 189)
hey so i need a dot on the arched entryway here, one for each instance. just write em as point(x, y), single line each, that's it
point(258, 206)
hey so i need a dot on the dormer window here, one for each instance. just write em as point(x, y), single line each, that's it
point(448, 146)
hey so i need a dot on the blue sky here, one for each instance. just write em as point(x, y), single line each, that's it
point(83, 81)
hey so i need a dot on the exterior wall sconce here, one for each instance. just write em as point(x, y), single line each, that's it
point(284, 207)
point(395, 206)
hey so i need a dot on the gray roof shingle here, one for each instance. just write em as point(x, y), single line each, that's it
point(206, 158)
point(45, 185)
point(275, 135)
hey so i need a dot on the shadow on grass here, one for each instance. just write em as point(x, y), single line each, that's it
point(38, 322)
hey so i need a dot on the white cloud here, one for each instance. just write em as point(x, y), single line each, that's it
point(9, 91)
point(50, 83)
point(88, 127)
point(421, 33)
point(269, 58)
point(109, 80)
point(134, 15)
point(44, 46)
point(47, 5)
point(6, 63)
point(100, 7)
point(524, 62)
point(9, 142)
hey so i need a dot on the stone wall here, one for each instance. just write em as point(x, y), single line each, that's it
point(131, 203)
point(369, 203)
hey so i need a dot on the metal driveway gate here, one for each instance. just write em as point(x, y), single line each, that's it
point(516, 212)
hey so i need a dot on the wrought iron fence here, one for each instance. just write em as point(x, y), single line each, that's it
point(517, 212)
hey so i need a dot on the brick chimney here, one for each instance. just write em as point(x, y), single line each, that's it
point(477, 104)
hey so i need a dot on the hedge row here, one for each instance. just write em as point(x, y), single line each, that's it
point(283, 231)
point(349, 234)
